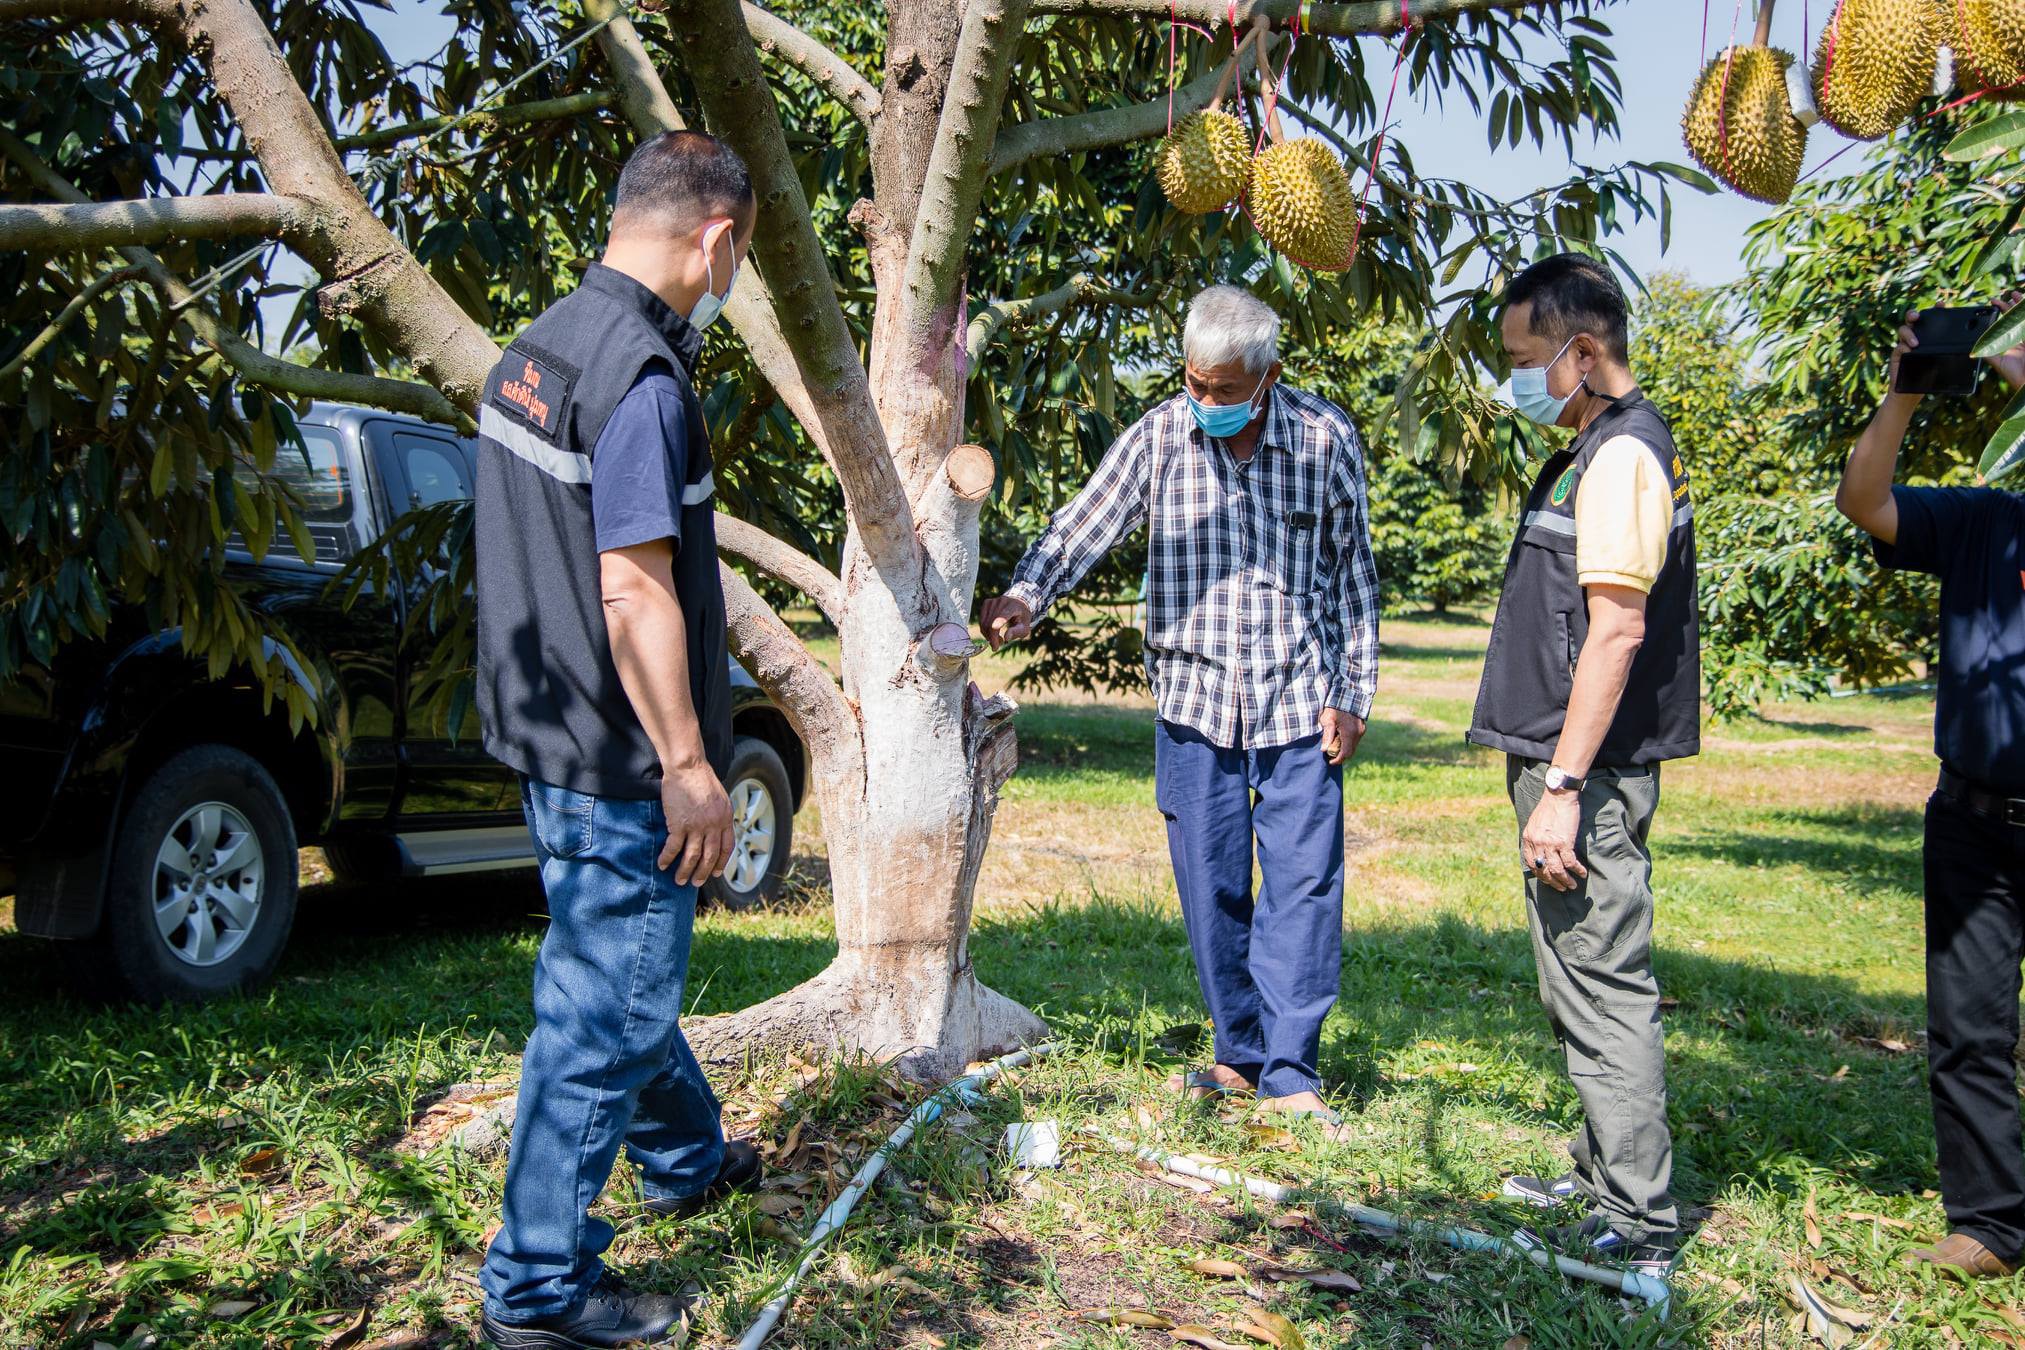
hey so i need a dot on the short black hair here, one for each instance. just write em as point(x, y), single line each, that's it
point(679, 179)
point(1573, 293)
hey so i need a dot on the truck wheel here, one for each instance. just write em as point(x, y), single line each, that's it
point(762, 825)
point(201, 892)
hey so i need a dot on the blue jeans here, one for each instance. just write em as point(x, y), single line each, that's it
point(1270, 971)
point(606, 1064)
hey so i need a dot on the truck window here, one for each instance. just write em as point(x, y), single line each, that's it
point(316, 470)
point(434, 470)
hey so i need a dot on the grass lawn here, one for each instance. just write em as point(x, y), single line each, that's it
point(257, 1172)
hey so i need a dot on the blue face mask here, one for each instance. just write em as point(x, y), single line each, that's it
point(710, 304)
point(1224, 420)
point(1526, 390)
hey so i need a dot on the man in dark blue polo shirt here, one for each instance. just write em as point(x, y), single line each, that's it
point(1973, 539)
point(602, 678)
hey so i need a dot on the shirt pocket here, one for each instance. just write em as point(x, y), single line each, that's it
point(564, 821)
point(1293, 547)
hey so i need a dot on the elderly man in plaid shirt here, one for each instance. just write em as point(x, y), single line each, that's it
point(1262, 648)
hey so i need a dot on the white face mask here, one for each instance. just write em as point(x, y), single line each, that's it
point(710, 304)
point(1526, 390)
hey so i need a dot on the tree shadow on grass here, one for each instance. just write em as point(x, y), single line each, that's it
point(1071, 740)
point(1753, 1049)
point(1863, 847)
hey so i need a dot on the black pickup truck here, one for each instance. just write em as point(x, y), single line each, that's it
point(150, 815)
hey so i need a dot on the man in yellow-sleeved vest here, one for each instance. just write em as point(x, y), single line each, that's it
point(1593, 678)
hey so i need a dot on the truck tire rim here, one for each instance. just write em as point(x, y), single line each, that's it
point(210, 875)
point(752, 821)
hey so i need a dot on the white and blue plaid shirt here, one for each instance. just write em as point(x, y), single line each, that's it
point(1262, 598)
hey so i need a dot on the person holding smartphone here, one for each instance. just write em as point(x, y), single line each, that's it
point(1973, 539)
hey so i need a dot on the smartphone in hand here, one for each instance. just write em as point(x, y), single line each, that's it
point(1943, 363)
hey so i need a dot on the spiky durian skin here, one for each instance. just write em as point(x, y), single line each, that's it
point(1989, 41)
point(1203, 162)
point(1749, 138)
point(1301, 201)
point(1874, 63)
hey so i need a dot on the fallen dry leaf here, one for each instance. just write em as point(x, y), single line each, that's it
point(1830, 1323)
point(213, 1213)
point(227, 1309)
point(1321, 1278)
point(1127, 1317)
point(2010, 1315)
point(1293, 1218)
point(1520, 1342)
point(777, 1205)
point(1813, 1225)
point(259, 1161)
point(1272, 1329)
point(1885, 1219)
point(1217, 1266)
point(352, 1334)
point(1272, 1136)
point(1192, 1334)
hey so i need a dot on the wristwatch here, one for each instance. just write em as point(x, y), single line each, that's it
point(1560, 780)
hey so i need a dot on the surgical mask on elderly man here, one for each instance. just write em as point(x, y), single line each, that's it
point(1223, 420)
point(1526, 390)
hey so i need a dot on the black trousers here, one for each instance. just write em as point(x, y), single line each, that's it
point(1975, 881)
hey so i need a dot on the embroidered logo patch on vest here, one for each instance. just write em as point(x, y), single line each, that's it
point(535, 392)
point(1564, 487)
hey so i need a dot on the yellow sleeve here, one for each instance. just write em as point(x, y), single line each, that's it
point(1623, 512)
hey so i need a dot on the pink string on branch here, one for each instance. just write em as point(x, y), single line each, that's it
point(1723, 95)
point(1384, 125)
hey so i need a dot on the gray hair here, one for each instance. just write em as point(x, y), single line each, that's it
point(1229, 323)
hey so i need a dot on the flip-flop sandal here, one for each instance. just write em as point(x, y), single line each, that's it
point(1328, 1119)
point(1203, 1086)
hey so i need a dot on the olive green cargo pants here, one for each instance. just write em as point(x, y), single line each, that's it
point(1593, 948)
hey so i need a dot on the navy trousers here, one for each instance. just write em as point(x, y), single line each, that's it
point(1270, 968)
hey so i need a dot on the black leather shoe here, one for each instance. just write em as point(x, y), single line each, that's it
point(612, 1316)
point(740, 1171)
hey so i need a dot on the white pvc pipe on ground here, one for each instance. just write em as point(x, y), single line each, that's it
point(839, 1211)
point(1655, 1292)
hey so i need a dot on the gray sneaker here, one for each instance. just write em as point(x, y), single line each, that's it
point(1543, 1192)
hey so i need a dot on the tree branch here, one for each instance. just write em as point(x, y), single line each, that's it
point(365, 269)
point(642, 96)
point(151, 220)
point(54, 329)
point(795, 680)
point(1079, 289)
point(645, 102)
point(269, 372)
point(777, 37)
point(1104, 127)
point(738, 106)
point(80, 11)
point(1330, 20)
point(783, 563)
point(954, 185)
point(509, 115)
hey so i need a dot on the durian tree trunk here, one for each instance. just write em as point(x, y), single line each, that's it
point(909, 757)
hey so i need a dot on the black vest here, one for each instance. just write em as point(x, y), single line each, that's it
point(1543, 617)
point(549, 696)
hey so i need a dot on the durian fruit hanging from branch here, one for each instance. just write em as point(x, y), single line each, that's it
point(1205, 158)
point(1989, 41)
point(1299, 196)
point(1874, 63)
point(1739, 124)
